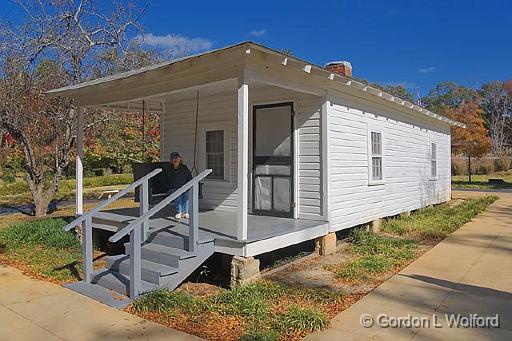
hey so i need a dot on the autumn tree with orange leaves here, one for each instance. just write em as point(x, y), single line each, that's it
point(473, 140)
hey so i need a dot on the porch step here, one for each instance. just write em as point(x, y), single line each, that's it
point(114, 217)
point(120, 283)
point(101, 294)
point(162, 254)
point(106, 227)
point(150, 271)
point(168, 239)
point(110, 221)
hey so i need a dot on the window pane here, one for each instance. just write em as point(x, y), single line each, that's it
point(215, 141)
point(273, 131)
point(376, 168)
point(281, 192)
point(433, 165)
point(215, 153)
point(263, 193)
point(434, 151)
point(376, 143)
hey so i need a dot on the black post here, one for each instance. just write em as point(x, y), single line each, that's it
point(469, 167)
point(143, 130)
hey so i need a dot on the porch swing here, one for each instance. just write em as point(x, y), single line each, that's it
point(159, 184)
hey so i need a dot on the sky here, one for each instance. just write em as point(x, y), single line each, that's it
point(414, 43)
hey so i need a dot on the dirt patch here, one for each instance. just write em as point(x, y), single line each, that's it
point(201, 289)
point(455, 202)
point(311, 273)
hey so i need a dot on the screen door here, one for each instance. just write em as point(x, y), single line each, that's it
point(273, 160)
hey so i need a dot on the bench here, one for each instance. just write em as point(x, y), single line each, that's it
point(158, 185)
point(497, 182)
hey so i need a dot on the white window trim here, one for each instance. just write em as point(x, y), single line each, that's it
point(436, 176)
point(375, 129)
point(201, 147)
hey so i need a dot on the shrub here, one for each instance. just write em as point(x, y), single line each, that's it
point(9, 177)
point(483, 166)
point(502, 164)
point(459, 166)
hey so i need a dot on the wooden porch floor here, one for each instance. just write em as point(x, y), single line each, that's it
point(222, 227)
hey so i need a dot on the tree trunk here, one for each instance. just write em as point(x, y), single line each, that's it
point(43, 196)
point(41, 200)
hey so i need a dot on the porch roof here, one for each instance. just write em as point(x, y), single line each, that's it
point(152, 82)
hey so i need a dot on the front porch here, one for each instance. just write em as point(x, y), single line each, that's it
point(251, 132)
point(264, 233)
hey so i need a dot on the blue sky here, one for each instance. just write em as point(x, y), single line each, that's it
point(414, 43)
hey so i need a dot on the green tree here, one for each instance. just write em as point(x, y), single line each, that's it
point(399, 91)
point(396, 90)
point(447, 96)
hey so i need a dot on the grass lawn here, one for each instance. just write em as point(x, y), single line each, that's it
point(18, 192)
point(482, 181)
point(403, 239)
point(41, 248)
point(432, 224)
point(374, 255)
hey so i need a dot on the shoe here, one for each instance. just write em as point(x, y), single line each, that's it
point(185, 216)
point(178, 215)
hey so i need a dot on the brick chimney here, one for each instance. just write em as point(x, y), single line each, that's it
point(341, 68)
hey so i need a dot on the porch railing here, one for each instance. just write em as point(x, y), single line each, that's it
point(135, 241)
point(86, 220)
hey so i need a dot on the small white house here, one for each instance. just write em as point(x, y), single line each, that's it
point(297, 151)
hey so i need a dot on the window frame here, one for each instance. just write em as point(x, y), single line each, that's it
point(202, 158)
point(371, 156)
point(432, 159)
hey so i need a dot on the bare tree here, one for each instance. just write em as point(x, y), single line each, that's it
point(497, 104)
point(59, 43)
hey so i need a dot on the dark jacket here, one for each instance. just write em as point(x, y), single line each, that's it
point(179, 176)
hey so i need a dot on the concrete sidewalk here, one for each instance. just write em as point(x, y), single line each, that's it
point(470, 272)
point(36, 310)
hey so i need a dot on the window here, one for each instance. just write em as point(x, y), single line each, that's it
point(376, 155)
point(433, 160)
point(215, 153)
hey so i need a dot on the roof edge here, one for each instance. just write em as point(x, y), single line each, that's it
point(348, 81)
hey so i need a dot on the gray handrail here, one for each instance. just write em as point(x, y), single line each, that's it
point(126, 230)
point(104, 204)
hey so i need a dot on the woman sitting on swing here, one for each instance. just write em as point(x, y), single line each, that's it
point(178, 176)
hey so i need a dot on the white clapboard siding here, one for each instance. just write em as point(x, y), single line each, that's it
point(178, 134)
point(179, 129)
point(406, 162)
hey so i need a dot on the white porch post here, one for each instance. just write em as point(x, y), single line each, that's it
point(79, 157)
point(325, 156)
point(243, 157)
